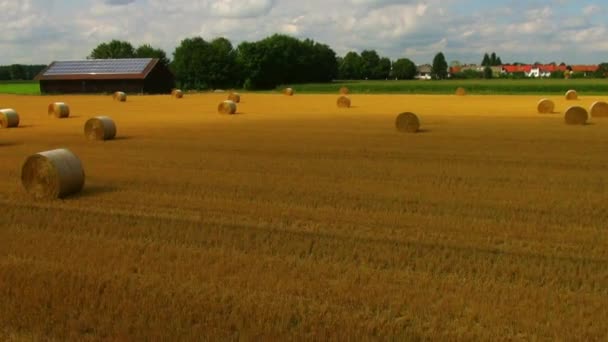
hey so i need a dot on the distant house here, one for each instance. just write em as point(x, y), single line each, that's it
point(546, 70)
point(132, 75)
point(424, 72)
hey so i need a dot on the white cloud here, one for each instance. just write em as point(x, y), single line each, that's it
point(38, 31)
point(241, 8)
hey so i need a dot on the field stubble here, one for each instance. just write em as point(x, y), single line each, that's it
point(295, 218)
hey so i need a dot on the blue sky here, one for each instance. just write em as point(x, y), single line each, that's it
point(40, 31)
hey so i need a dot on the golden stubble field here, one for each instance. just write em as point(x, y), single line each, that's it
point(295, 219)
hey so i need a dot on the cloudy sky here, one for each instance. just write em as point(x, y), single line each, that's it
point(40, 31)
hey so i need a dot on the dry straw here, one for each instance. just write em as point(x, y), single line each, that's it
point(288, 91)
point(545, 106)
point(344, 91)
point(226, 107)
point(407, 122)
point(599, 109)
point(120, 96)
point(571, 95)
point(52, 174)
point(100, 128)
point(343, 102)
point(177, 93)
point(8, 118)
point(576, 115)
point(59, 110)
point(460, 91)
point(234, 97)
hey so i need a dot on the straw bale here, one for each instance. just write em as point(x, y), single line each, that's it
point(59, 110)
point(9, 118)
point(288, 91)
point(545, 106)
point(576, 115)
point(234, 97)
point(100, 128)
point(571, 95)
point(599, 109)
point(177, 93)
point(343, 102)
point(407, 122)
point(120, 96)
point(226, 107)
point(460, 91)
point(52, 174)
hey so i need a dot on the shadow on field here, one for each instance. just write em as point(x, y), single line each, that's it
point(9, 143)
point(124, 137)
point(94, 190)
point(25, 126)
point(74, 116)
point(424, 130)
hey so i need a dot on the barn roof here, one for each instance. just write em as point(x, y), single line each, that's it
point(98, 69)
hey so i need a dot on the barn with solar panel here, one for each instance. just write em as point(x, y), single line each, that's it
point(131, 75)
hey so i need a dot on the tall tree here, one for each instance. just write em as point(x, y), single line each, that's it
point(384, 69)
point(351, 67)
point(487, 72)
point(498, 61)
point(439, 69)
point(486, 60)
point(493, 59)
point(190, 63)
point(370, 64)
point(113, 49)
point(147, 51)
point(404, 69)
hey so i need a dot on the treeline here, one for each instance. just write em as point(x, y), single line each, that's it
point(19, 72)
point(264, 64)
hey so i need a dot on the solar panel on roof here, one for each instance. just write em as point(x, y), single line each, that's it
point(99, 66)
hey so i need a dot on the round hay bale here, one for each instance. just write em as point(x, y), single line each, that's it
point(460, 91)
point(59, 110)
point(343, 102)
point(9, 118)
point(599, 109)
point(226, 107)
point(177, 93)
point(120, 96)
point(288, 91)
point(234, 97)
point(571, 95)
point(344, 91)
point(545, 106)
point(576, 115)
point(100, 128)
point(52, 174)
point(407, 122)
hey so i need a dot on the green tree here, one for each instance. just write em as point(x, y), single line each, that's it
point(487, 72)
point(602, 71)
point(439, 69)
point(221, 68)
point(370, 64)
point(486, 60)
point(384, 69)
point(190, 63)
point(113, 49)
point(147, 51)
point(498, 61)
point(351, 67)
point(17, 72)
point(493, 59)
point(404, 69)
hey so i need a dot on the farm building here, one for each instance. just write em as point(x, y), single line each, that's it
point(131, 75)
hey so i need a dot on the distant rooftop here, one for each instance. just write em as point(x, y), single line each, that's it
point(98, 69)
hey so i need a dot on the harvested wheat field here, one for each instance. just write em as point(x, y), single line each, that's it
point(297, 220)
